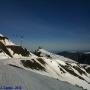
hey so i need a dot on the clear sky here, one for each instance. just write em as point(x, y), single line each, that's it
point(52, 24)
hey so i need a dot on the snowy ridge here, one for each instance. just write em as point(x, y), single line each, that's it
point(44, 53)
point(5, 40)
point(27, 80)
point(12, 50)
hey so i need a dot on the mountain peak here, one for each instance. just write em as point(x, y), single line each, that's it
point(11, 49)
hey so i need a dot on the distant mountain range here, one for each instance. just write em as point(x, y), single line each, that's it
point(81, 57)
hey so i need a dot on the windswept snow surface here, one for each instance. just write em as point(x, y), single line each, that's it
point(54, 70)
point(27, 80)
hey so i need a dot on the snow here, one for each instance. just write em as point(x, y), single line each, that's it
point(3, 55)
point(53, 72)
point(32, 79)
point(8, 42)
point(61, 62)
point(28, 80)
point(52, 69)
point(54, 56)
point(14, 55)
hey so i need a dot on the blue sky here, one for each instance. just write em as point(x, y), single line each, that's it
point(52, 24)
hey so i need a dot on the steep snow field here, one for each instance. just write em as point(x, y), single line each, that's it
point(27, 80)
point(51, 69)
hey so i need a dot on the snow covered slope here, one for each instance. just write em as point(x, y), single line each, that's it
point(14, 77)
point(3, 55)
point(73, 73)
point(44, 63)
